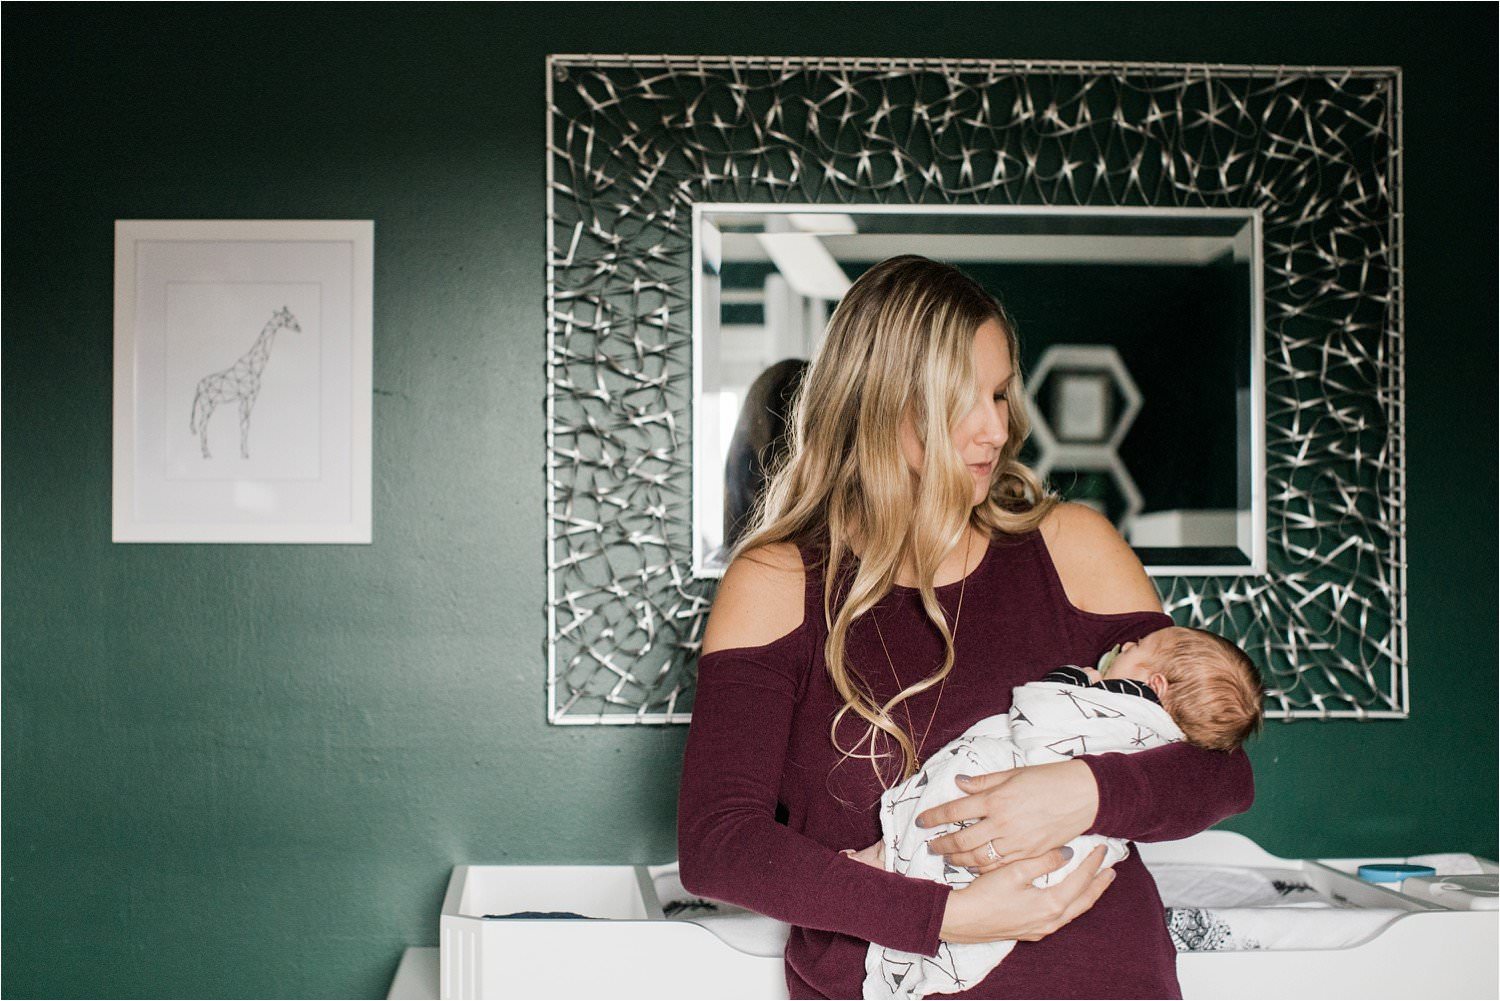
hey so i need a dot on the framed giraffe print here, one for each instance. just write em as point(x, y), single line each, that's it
point(243, 359)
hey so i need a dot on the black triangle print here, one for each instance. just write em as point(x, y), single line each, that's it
point(944, 963)
point(1070, 746)
point(1091, 710)
point(905, 796)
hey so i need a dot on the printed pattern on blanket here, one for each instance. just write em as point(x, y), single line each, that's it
point(1048, 721)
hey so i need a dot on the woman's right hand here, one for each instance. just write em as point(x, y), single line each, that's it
point(1002, 904)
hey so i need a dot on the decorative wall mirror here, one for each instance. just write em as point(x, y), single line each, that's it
point(1283, 182)
point(1140, 344)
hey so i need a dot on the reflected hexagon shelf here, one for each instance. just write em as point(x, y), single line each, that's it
point(1083, 429)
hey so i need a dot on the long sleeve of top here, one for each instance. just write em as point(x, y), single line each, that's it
point(732, 848)
point(1170, 792)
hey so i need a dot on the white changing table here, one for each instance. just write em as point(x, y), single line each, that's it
point(1426, 952)
point(1429, 952)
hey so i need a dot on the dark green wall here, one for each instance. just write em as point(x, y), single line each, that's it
point(246, 770)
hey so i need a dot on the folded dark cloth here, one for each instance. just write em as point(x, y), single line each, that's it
point(678, 908)
point(1071, 675)
point(533, 915)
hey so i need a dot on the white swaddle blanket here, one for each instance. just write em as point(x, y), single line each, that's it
point(1048, 721)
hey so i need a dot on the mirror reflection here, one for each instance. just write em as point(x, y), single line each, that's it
point(1140, 349)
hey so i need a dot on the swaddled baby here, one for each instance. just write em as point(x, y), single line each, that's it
point(1173, 684)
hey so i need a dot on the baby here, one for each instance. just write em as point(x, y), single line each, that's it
point(1173, 684)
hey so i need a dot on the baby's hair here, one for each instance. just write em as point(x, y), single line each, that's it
point(1214, 690)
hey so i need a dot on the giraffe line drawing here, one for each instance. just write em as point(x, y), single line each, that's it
point(240, 381)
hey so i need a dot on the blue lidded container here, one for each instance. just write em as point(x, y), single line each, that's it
point(1393, 872)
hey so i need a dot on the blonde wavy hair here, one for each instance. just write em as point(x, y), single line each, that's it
point(900, 341)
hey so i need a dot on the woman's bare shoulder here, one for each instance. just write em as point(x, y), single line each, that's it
point(760, 599)
point(1098, 569)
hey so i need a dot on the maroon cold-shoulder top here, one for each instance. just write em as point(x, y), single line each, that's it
point(759, 744)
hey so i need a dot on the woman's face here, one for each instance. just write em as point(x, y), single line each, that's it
point(979, 434)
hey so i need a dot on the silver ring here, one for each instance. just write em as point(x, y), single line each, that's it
point(990, 847)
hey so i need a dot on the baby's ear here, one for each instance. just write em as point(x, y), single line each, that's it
point(1158, 683)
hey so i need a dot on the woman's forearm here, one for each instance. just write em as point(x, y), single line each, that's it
point(1168, 793)
point(756, 863)
point(957, 919)
point(1005, 905)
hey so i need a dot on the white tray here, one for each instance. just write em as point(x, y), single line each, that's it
point(636, 953)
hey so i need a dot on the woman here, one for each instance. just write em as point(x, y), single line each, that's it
point(838, 653)
point(759, 442)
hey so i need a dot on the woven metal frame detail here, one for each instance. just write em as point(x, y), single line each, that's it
point(635, 141)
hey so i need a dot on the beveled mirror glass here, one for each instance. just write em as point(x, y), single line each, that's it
point(1141, 347)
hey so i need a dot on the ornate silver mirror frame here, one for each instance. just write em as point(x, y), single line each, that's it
point(635, 142)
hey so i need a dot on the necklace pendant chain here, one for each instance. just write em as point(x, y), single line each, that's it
point(957, 614)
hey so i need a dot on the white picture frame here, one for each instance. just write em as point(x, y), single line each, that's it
point(243, 368)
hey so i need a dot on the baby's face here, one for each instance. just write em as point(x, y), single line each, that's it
point(1136, 658)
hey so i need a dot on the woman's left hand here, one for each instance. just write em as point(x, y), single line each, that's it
point(1024, 811)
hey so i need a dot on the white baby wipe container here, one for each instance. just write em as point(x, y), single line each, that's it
point(1461, 893)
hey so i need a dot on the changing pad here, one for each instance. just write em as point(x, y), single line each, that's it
point(746, 931)
point(1213, 909)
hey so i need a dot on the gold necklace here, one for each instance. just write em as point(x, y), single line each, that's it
point(957, 614)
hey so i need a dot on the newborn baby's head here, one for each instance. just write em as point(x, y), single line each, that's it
point(1206, 683)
